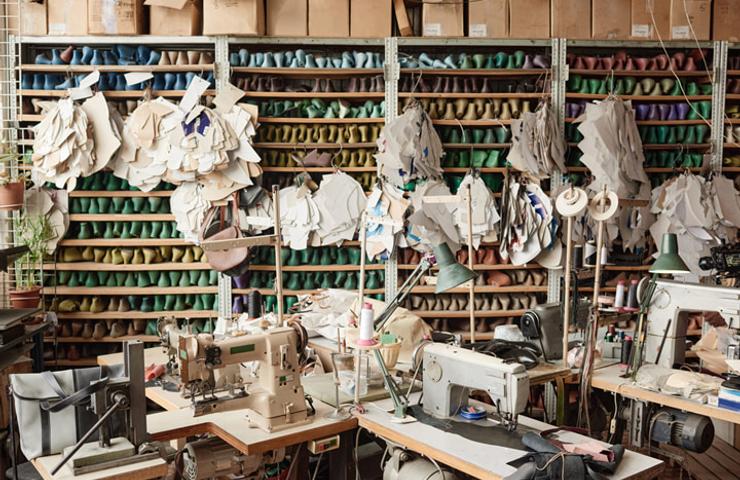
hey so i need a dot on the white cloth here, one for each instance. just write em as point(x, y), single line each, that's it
point(341, 201)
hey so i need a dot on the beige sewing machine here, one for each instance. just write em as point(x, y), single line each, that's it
point(451, 373)
point(275, 398)
point(668, 316)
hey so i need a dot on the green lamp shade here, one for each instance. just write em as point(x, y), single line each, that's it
point(451, 274)
point(669, 262)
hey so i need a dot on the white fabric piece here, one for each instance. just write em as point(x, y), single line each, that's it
point(189, 206)
point(485, 213)
point(299, 216)
point(341, 201)
point(538, 145)
point(388, 205)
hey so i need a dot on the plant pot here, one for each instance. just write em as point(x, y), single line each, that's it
point(11, 196)
point(28, 298)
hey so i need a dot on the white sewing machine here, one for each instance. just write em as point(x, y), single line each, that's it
point(451, 373)
point(669, 309)
point(274, 401)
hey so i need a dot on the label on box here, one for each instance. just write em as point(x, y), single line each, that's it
point(57, 28)
point(682, 32)
point(641, 30)
point(478, 30)
point(432, 29)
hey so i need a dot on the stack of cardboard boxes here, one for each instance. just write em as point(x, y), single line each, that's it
point(573, 19)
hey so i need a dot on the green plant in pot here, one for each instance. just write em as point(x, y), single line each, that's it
point(33, 231)
point(11, 187)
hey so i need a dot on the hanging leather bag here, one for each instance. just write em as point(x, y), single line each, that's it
point(231, 261)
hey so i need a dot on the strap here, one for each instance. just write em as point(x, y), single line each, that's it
point(75, 398)
point(53, 383)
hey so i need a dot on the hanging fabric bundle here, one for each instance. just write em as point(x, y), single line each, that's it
point(538, 146)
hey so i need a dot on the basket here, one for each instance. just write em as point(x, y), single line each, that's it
point(390, 353)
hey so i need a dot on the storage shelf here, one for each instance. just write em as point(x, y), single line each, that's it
point(483, 72)
point(486, 289)
point(61, 290)
point(120, 217)
point(309, 146)
point(466, 314)
point(664, 146)
point(471, 123)
point(481, 169)
point(124, 242)
point(308, 72)
point(123, 193)
point(484, 267)
point(116, 68)
point(476, 145)
point(270, 291)
point(316, 268)
point(330, 121)
point(158, 40)
point(110, 93)
point(125, 338)
point(647, 169)
point(638, 73)
point(298, 169)
point(109, 267)
point(274, 95)
point(132, 314)
point(534, 96)
point(642, 98)
point(658, 122)
point(81, 362)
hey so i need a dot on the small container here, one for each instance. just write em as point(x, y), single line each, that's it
point(367, 328)
point(626, 350)
point(619, 295)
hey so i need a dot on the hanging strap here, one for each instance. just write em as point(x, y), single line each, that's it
point(65, 401)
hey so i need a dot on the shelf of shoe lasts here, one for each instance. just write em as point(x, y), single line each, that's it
point(61, 290)
point(316, 268)
point(121, 217)
point(666, 146)
point(125, 242)
point(293, 293)
point(109, 93)
point(109, 267)
point(465, 313)
point(309, 146)
point(125, 338)
point(115, 68)
point(123, 193)
point(378, 95)
point(485, 289)
point(658, 122)
point(472, 95)
point(640, 98)
point(133, 315)
point(331, 121)
point(480, 266)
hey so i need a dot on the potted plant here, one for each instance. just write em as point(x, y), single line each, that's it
point(33, 231)
point(11, 187)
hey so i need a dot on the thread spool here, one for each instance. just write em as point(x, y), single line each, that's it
point(577, 257)
point(254, 304)
point(632, 297)
point(589, 254)
point(604, 255)
point(367, 329)
point(624, 358)
point(619, 295)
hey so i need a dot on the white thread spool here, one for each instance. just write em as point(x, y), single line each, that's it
point(619, 295)
point(367, 328)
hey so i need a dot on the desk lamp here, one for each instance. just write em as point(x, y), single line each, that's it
point(451, 275)
point(667, 263)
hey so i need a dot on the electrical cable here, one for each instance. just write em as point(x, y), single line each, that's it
point(318, 464)
point(293, 461)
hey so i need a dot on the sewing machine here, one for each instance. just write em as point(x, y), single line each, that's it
point(451, 373)
point(668, 316)
point(275, 400)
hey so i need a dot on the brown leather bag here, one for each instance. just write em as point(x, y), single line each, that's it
point(232, 261)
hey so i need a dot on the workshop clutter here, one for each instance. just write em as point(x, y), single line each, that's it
point(573, 19)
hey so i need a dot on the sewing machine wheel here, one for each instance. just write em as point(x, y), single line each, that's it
point(302, 333)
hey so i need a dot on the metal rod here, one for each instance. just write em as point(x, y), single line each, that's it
point(278, 252)
point(566, 287)
point(360, 302)
point(87, 435)
point(471, 287)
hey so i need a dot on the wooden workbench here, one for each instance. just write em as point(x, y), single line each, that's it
point(147, 470)
point(482, 461)
point(609, 379)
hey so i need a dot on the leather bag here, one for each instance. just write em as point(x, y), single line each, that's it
point(232, 261)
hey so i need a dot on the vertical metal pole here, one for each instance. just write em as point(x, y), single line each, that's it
point(559, 69)
point(278, 256)
point(471, 287)
point(719, 91)
point(221, 74)
point(391, 73)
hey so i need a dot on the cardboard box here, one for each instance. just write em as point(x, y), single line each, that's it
point(529, 18)
point(328, 18)
point(233, 17)
point(726, 20)
point(115, 17)
point(610, 19)
point(488, 18)
point(32, 18)
point(67, 17)
point(571, 19)
point(440, 19)
point(175, 17)
point(642, 16)
point(287, 18)
point(370, 18)
point(699, 13)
